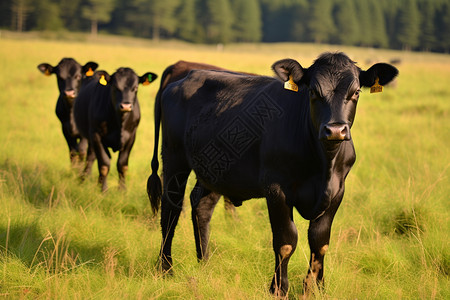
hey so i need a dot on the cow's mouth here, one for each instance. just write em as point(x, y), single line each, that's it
point(70, 99)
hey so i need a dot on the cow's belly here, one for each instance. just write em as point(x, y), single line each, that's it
point(223, 169)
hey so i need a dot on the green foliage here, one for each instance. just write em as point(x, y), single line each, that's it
point(186, 27)
point(408, 24)
point(444, 28)
point(321, 25)
point(49, 13)
point(247, 20)
point(346, 22)
point(398, 24)
point(218, 20)
point(97, 11)
point(61, 239)
point(378, 28)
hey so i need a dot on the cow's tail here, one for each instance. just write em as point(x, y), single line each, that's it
point(154, 187)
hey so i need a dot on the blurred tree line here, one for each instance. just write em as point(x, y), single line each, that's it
point(398, 24)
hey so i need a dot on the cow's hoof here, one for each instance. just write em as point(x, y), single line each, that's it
point(311, 285)
point(279, 292)
point(165, 267)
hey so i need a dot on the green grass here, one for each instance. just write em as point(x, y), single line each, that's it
point(60, 239)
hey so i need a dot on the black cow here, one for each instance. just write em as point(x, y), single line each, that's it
point(71, 76)
point(107, 114)
point(171, 74)
point(250, 137)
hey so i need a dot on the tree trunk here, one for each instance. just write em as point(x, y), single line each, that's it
point(19, 10)
point(94, 28)
point(156, 28)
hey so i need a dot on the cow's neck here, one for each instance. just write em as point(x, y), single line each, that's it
point(329, 158)
point(331, 151)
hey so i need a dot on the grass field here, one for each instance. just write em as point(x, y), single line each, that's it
point(60, 239)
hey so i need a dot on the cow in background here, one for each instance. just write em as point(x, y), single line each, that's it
point(70, 77)
point(107, 114)
point(286, 139)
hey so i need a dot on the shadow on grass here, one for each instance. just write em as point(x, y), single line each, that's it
point(44, 189)
point(36, 183)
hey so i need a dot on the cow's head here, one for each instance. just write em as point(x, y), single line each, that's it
point(333, 84)
point(70, 75)
point(124, 86)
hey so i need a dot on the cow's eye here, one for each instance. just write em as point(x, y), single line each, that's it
point(355, 96)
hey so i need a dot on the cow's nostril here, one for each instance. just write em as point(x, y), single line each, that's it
point(126, 107)
point(336, 132)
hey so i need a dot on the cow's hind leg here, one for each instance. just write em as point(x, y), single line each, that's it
point(203, 202)
point(284, 238)
point(319, 238)
point(171, 206)
point(229, 207)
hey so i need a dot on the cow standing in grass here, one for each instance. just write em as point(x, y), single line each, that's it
point(70, 76)
point(285, 139)
point(173, 73)
point(107, 113)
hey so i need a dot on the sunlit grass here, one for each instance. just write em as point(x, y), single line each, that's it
point(60, 238)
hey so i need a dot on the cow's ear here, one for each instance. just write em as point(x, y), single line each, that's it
point(89, 68)
point(46, 69)
point(102, 77)
point(286, 68)
point(147, 78)
point(384, 72)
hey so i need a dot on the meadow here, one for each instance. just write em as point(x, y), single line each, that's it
point(62, 239)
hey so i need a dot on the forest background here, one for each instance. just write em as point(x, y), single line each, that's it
point(422, 25)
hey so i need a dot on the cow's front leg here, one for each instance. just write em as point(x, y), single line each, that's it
point(72, 143)
point(203, 202)
point(82, 149)
point(122, 162)
point(319, 238)
point(122, 168)
point(284, 238)
point(90, 158)
point(103, 160)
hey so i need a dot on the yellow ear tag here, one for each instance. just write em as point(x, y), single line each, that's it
point(146, 82)
point(47, 73)
point(291, 85)
point(102, 80)
point(89, 73)
point(376, 88)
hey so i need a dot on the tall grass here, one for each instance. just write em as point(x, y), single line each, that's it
point(63, 239)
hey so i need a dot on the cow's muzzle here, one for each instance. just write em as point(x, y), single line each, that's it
point(70, 94)
point(335, 132)
point(126, 107)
